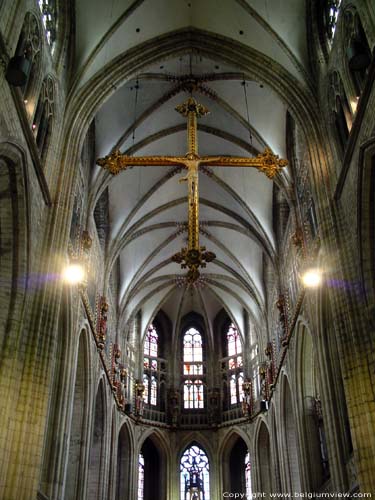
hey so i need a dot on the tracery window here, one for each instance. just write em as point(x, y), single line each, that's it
point(42, 123)
point(193, 394)
point(194, 474)
point(150, 366)
point(235, 364)
point(49, 17)
point(332, 9)
point(141, 476)
point(28, 47)
point(248, 475)
point(193, 369)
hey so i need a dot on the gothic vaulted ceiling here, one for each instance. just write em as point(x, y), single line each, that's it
point(148, 205)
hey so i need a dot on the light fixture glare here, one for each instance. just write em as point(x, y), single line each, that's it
point(74, 274)
point(312, 278)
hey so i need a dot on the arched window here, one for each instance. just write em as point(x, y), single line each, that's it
point(234, 364)
point(49, 17)
point(150, 366)
point(42, 124)
point(193, 369)
point(194, 474)
point(236, 467)
point(141, 476)
point(28, 52)
point(331, 14)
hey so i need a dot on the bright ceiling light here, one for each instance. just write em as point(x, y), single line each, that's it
point(74, 274)
point(312, 278)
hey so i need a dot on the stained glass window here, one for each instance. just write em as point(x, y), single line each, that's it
point(331, 14)
point(141, 476)
point(235, 364)
point(194, 474)
point(248, 475)
point(233, 341)
point(193, 367)
point(150, 366)
point(240, 381)
point(154, 391)
point(193, 347)
point(151, 342)
point(49, 17)
point(233, 389)
point(193, 394)
point(146, 383)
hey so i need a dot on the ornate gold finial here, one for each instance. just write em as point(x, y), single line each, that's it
point(192, 106)
point(270, 163)
point(113, 162)
point(193, 259)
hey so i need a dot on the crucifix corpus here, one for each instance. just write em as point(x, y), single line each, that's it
point(194, 256)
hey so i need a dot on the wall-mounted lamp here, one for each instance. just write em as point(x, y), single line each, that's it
point(74, 273)
point(312, 278)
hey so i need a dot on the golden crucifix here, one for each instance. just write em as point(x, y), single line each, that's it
point(194, 256)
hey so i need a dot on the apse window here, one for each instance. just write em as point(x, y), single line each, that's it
point(194, 474)
point(193, 370)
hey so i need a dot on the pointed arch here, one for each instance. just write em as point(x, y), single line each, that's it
point(263, 459)
point(291, 448)
point(14, 270)
point(97, 459)
point(310, 410)
point(195, 471)
point(366, 209)
point(125, 453)
point(78, 439)
point(14, 241)
point(156, 457)
point(233, 454)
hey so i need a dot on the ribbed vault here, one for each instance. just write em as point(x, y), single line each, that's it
point(249, 87)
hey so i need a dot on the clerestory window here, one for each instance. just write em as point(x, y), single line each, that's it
point(332, 9)
point(49, 18)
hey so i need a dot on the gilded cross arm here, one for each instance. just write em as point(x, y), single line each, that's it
point(116, 161)
point(267, 162)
